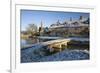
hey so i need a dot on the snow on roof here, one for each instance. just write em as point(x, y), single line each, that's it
point(73, 23)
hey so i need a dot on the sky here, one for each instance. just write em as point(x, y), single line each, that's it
point(46, 17)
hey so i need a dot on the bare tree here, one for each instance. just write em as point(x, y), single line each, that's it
point(32, 29)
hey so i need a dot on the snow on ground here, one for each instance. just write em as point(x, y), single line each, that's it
point(67, 55)
point(28, 55)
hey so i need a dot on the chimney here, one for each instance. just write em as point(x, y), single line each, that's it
point(81, 17)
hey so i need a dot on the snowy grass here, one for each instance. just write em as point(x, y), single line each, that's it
point(43, 55)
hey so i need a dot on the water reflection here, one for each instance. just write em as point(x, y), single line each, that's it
point(32, 41)
point(29, 41)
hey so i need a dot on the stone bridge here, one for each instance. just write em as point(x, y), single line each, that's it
point(56, 44)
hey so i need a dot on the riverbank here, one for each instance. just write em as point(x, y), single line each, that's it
point(28, 55)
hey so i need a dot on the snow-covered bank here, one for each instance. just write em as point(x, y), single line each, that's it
point(28, 55)
point(67, 55)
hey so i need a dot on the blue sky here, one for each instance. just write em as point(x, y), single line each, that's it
point(47, 17)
